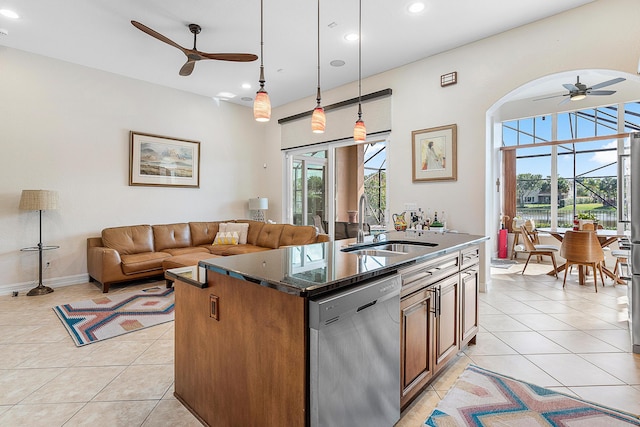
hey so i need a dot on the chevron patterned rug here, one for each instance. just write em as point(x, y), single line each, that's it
point(484, 398)
point(112, 315)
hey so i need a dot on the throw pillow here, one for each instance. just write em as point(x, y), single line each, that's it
point(226, 238)
point(242, 228)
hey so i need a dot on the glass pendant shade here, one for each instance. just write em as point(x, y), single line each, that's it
point(262, 106)
point(359, 131)
point(318, 120)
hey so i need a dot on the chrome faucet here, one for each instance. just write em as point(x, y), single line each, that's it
point(360, 238)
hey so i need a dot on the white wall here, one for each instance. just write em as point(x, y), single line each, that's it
point(65, 127)
point(603, 35)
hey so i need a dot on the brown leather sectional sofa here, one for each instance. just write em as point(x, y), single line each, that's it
point(135, 252)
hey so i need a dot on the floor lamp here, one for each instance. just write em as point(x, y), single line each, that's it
point(39, 200)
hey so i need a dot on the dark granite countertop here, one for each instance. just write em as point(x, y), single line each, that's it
point(314, 269)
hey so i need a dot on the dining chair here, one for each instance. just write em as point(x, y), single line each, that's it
point(621, 256)
point(534, 249)
point(582, 248)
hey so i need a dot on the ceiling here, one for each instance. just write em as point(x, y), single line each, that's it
point(98, 34)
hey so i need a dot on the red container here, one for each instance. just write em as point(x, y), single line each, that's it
point(503, 235)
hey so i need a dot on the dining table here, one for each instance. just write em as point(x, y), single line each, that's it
point(605, 237)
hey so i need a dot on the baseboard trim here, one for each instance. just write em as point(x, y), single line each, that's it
point(56, 282)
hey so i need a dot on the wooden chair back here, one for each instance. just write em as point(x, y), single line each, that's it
point(588, 226)
point(528, 239)
point(581, 247)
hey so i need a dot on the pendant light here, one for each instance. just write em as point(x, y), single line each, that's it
point(359, 131)
point(318, 119)
point(262, 104)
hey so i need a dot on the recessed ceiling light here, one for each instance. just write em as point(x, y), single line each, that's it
point(226, 95)
point(246, 85)
point(416, 7)
point(9, 14)
point(337, 63)
point(246, 98)
point(351, 37)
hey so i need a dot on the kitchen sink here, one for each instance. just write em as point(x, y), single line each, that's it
point(388, 248)
point(376, 252)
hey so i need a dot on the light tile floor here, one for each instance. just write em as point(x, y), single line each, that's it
point(572, 340)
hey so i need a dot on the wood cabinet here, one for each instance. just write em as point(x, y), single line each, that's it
point(446, 321)
point(438, 310)
point(469, 288)
point(240, 353)
point(416, 343)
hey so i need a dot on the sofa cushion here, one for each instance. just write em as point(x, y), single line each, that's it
point(138, 263)
point(255, 227)
point(240, 228)
point(185, 260)
point(270, 236)
point(132, 239)
point(169, 236)
point(297, 235)
point(203, 233)
point(244, 249)
point(189, 250)
point(220, 250)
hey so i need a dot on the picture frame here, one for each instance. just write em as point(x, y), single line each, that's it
point(434, 154)
point(157, 160)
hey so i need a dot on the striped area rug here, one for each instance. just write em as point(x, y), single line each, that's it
point(110, 315)
point(484, 398)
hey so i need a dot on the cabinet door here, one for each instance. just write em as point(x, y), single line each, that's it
point(468, 306)
point(415, 343)
point(446, 324)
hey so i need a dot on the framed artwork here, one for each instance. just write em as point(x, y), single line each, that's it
point(434, 154)
point(163, 161)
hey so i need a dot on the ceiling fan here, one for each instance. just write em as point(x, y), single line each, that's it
point(580, 91)
point(194, 55)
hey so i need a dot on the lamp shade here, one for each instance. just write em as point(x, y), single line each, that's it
point(259, 203)
point(318, 120)
point(262, 106)
point(38, 200)
point(359, 131)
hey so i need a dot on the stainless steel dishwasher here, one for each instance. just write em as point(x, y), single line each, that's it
point(355, 356)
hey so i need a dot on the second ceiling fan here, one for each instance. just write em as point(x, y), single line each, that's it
point(578, 91)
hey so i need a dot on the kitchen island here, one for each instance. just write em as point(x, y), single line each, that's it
point(242, 331)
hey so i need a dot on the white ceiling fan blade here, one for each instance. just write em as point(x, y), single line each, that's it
point(608, 83)
point(564, 101)
point(570, 87)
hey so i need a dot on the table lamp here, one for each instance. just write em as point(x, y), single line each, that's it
point(39, 200)
point(258, 206)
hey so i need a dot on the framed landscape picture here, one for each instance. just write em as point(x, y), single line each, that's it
point(434, 154)
point(163, 161)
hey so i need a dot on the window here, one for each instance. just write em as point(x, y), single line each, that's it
point(576, 170)
point(325, 182)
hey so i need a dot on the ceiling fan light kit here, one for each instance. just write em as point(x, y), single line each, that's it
point(318, 118)
point(262, 104)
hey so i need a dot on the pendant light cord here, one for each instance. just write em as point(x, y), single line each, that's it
point(261, 47)
point(318, 93)
point(359, 59)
